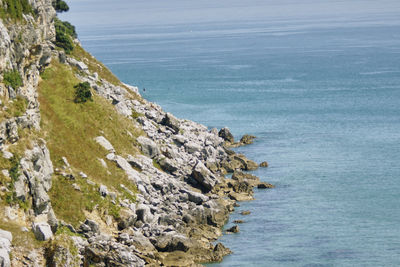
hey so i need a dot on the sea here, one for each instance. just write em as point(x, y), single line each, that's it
point(318, 83)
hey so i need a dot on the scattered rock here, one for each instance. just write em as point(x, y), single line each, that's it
point(148, 146)
point(103, 190)
point(264, 164)
point(247, 139)
point(246, 212)
point(238, 221)
point(7, 155)
point(101, 140)
point(264, 185)
point(233, 229)
point(42, 231)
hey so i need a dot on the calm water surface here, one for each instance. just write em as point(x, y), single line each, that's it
point(318, 83)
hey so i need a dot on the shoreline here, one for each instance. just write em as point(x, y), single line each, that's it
point(153, 185)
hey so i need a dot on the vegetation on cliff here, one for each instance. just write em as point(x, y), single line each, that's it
point(70, 131)
point(14, 9)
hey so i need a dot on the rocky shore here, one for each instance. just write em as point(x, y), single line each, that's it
point(175, 199)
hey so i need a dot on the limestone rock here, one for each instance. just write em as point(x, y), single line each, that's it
point(42, 231)
point(264, 185)
point(172, 122)
point(101, 140)
point(225, 134)
point(264, 164)
point(203, 177)
point(233, 229)
point(148, 146)
point(247, 139)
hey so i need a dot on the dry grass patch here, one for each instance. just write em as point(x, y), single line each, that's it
point(70, 129)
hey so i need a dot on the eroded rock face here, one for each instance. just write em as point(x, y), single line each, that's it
point(5, 248)
point(37, 170)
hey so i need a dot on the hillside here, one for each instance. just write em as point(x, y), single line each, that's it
point(92, 174)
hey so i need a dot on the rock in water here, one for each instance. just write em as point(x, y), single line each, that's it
point(247, 139)
point(264, 185)
point(264, 164)
point(233, 229)
point(225, 134)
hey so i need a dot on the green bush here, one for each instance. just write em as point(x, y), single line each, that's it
point(65, 31)
point(60, 6)
point(13, 79)
point(15, 8)
point(82, 93)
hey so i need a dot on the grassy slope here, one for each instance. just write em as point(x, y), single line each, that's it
point(69, 129)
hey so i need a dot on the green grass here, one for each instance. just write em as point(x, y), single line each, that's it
point(20, 238)
point(15, 8)
point(69, 130)
point(94, 65)
point(12, 78)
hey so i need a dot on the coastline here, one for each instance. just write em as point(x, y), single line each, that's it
point(153, 186)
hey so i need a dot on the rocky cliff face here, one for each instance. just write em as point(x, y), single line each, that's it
point(173, 199)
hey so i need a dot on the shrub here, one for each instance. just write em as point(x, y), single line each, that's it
point(13, 79)
point(15, 8)
point(82, 92)
point(60, 6)
point(65, 31)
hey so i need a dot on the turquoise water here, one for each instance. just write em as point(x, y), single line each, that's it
point(321, 91)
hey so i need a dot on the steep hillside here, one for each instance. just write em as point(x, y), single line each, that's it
point(92, 174)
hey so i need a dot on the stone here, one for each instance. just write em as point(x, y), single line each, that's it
point(7, 155)
point(172, 241)
point(233, 229)
point(6, 235)
point(219, 252)
point(225, 134)
point(203, 177)
point(195, 197)
point(101, 140)
point(238, 221)
point(264, 185)
point(192, 147)
point(264, 164)
point(171, 121)
point(79, 64)
point(103, 190)
point(148, 146)
point(103, 163)
point(245, 212)
point(144, 214)
point(42, 231)
point(66, 163)
point(124, 164)
point(247, 139)
point(168, 165)
point(83, 175)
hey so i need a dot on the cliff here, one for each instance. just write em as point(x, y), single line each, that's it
point(92, 173)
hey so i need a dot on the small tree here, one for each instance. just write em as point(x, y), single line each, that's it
point(60, 6)
point(82, 93)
